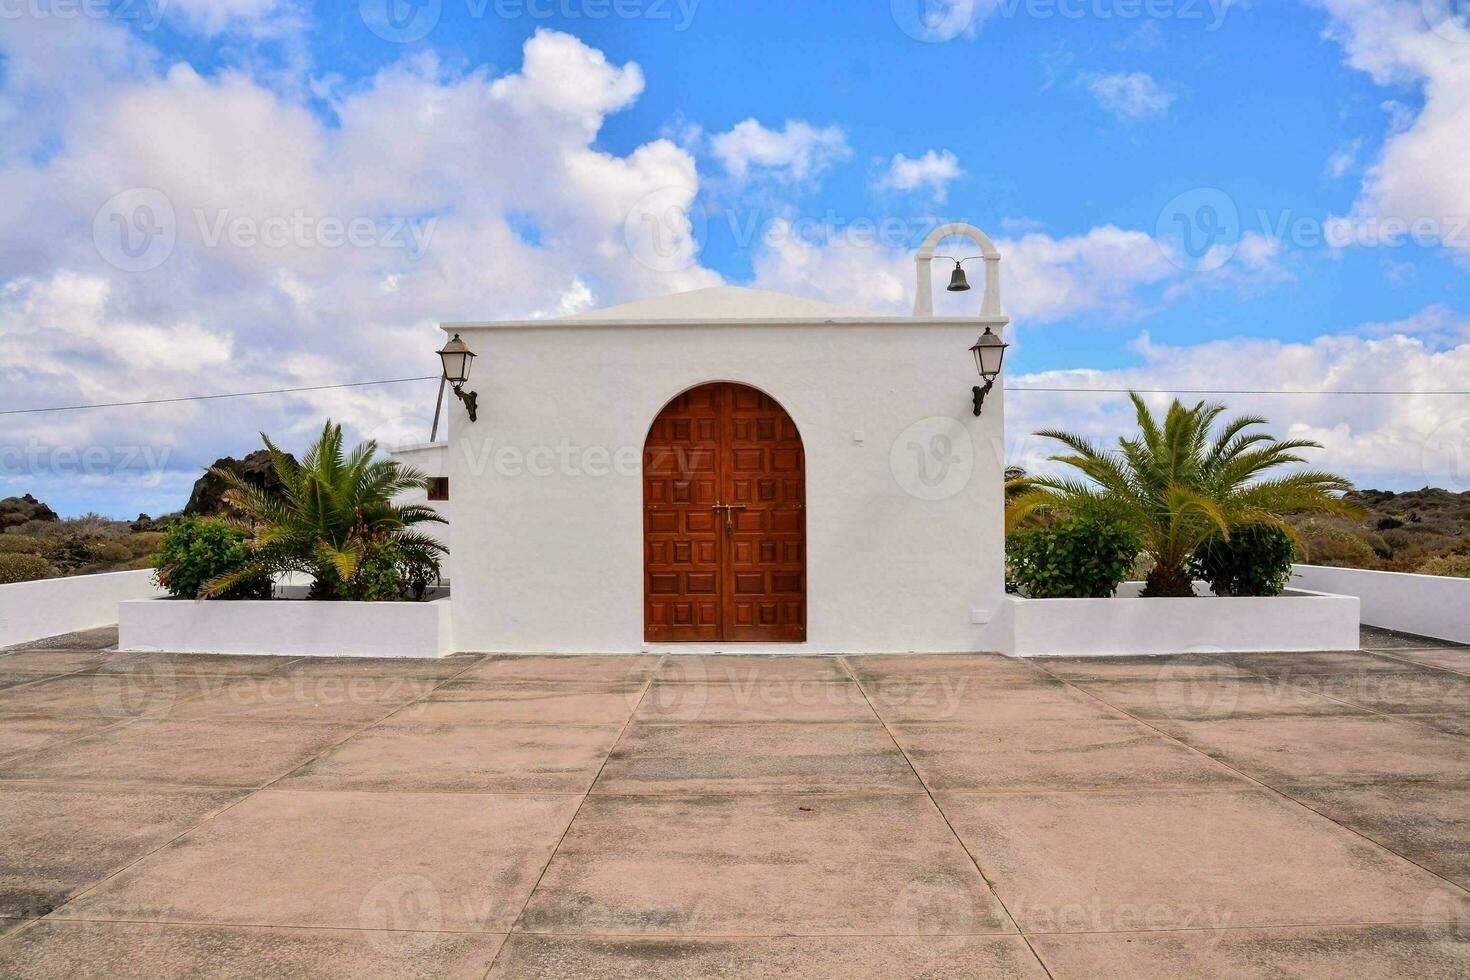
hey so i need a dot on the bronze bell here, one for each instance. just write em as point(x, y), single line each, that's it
point(957, 282)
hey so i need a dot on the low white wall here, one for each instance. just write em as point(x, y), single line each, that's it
point(1132, 626)
point(33, 610)
point(1428, 605)
point(290, 628)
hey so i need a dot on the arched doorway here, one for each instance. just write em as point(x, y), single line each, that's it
point(724, 520)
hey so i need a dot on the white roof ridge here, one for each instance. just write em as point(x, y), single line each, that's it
point(724, 303)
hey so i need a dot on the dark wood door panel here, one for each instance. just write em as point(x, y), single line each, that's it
point(724, 519)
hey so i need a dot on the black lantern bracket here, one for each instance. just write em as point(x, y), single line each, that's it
point(470, 399)
point(980, 392)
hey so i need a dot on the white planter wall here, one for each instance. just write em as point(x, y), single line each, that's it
point(33, 610)
point(1428, 605)
point(1124, 626)
point(289, 628)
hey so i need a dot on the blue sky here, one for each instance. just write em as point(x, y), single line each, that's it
point(521, 137)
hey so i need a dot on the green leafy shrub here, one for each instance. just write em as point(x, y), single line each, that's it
point(1456, 566)
point(332, 518)
point(1076, 557)
point(22, 544)
point(194, 552)
point(1254, 561)
point(23, 568)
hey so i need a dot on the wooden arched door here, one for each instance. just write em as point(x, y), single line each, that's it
point(724, 520)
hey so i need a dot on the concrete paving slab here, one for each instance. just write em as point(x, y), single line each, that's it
point(61, 839)
point(749, 669)
point(565, 704)
point(963, 699)
point(101, 638)
point(916, 957)
point(1329, 750)
point(477, 758)
point(1186, 859)
point(772, 699)
point(1429, 825)
point(1370, 953)
point(420, 861)
point(768, 758)
point(1447, 658)
point(762, 865)
point(991, 667)
point(193, 753)
point(300, 697)
point(50, 661)
point(1061, 755)
point(549, 669)
point(150, 951)
point(1198, 698)
point(32, 732)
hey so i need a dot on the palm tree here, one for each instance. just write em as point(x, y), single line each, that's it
point(1178, 485)
point(334, 518)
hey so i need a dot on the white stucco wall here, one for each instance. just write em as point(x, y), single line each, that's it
point(546, 495)
point(1427, 605)
point(49, 607)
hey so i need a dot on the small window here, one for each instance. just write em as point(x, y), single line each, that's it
point(439, 488)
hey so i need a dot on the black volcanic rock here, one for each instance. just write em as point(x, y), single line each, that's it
point(208, 495)
point(21, 510)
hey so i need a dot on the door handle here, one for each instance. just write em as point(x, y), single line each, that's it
point(729, 510)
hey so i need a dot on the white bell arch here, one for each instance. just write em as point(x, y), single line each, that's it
point(924, 260)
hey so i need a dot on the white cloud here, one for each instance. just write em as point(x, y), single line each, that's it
point(798, 152)
point(1344, 160)
point(1420, 173)
point(1384, 439)
point(1131, 96)
point(1106, 271)
point(934, 171)
point(218, 16)
point(519, 212)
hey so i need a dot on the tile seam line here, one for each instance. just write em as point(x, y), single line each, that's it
point(989, 885)
point(210, 818)
point(1271, 789)
point(531, 893)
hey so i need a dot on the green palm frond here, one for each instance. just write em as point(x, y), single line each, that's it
point(1182, 478)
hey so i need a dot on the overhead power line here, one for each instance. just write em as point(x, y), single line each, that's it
point(1028, 388)
point(203, 398)
point(1233, 391)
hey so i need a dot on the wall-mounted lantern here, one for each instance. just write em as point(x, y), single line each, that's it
point(457, 358)
point(990, 352)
